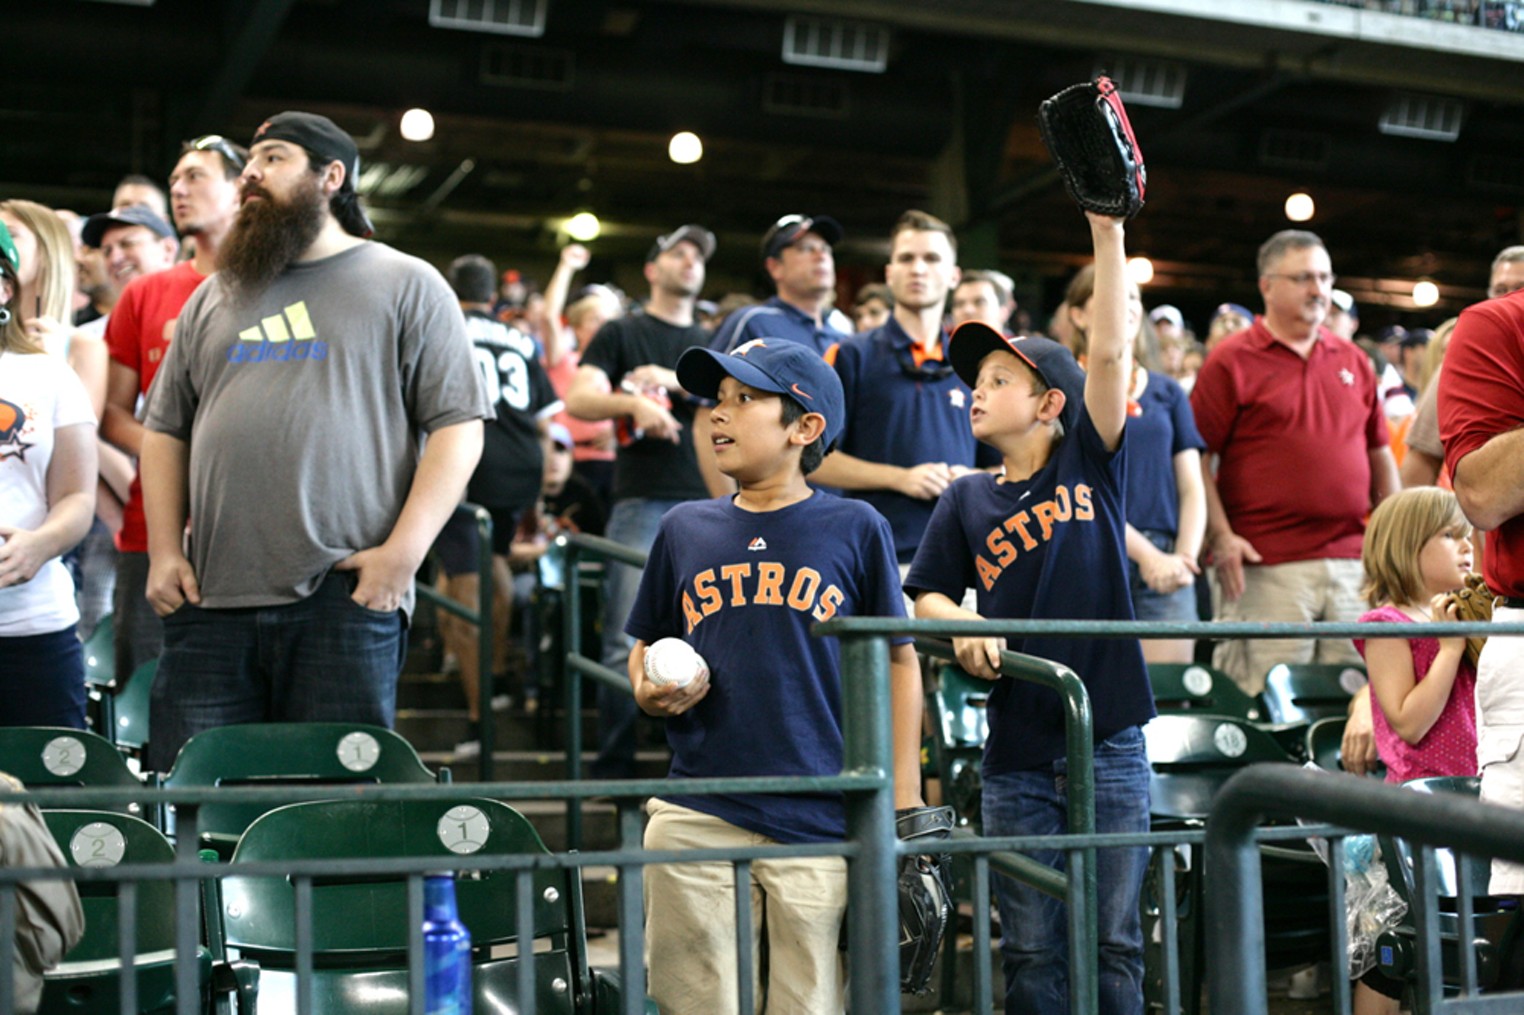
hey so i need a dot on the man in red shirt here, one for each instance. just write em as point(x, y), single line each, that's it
point(204, 199)
point(1290, 412)
point(1481, 421)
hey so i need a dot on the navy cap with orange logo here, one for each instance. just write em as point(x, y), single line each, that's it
point(972, 341)
point(790, 229)
point(770, 364)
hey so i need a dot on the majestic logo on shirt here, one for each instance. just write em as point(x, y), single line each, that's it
point(1346, 377)
point(763, 583)
point(1032, 527)
point(286, 337)
point(956, 397)
point(13, 423)
point(757, 545)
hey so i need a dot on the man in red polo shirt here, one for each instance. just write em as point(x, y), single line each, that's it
point(1481, 420)
point(204, 196)
point(1290, 412)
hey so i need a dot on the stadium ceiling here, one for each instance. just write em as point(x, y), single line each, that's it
point(531, 128)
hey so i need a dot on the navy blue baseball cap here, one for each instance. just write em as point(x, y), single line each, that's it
point(973, 340)
point(788, 230)
point(770, 364)
point(132, 215)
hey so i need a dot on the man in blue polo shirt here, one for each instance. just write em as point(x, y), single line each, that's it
point(797, 254)
point(907, 434)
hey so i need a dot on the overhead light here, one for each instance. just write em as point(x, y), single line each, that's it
point(1140, 270)
point(685, 148)
point(417, 125)
point(1300, 207)
point(583, 227)
point(1425, 293)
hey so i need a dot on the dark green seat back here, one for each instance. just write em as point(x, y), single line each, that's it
point(1191, 687)
point(130, 731)
point(87, 981)
point(958, 709)
point(360, 924)
point(1324, 739)
point(1193, 755)
point(1305, 692)
point(100, 653)
point(48, 756)
point(297, 754)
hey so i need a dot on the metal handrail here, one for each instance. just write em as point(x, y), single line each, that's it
point(482, 618)
point(1235, 903)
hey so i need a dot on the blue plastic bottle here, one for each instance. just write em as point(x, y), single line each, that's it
point(446, 950)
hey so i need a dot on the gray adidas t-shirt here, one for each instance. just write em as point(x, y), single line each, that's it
point(305, 411)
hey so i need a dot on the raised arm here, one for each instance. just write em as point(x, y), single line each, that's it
point(574, 258)
point(1109, 367)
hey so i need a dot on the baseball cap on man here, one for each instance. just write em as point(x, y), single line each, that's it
point(973, 340)
point(325, 142)
point(1344, 301)
point(1167, 312)
point(96, 225)
point(788, 231)
point(770, 364)
point(1224, 309)
point(560, 436)
point(696, 235)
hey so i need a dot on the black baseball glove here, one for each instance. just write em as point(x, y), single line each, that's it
point(925, 890)
point(1086, 130)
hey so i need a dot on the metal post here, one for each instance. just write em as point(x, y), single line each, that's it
point(487, 727)
point(746, 986)
point(873, 916)
point(571, 681)
point(416, 973)
point(632, 924)
point(1430, 994)
point(1338, 927)
point(1084, 919)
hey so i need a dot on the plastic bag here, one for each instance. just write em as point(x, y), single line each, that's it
point(1371, 904)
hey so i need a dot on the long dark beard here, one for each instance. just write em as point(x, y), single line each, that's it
point(267, 237)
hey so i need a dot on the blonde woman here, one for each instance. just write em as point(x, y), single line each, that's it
point(47, 498)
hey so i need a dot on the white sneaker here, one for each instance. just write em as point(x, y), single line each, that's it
point(1306, 984)
point(467, 749)
point(502, 702)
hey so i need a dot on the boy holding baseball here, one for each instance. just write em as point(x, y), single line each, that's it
point(1045, 538)
point(742, 580)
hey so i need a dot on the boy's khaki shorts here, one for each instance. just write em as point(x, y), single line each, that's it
point(797, 907)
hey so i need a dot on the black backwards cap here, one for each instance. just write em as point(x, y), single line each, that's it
point(326, 143)
point(973, 340)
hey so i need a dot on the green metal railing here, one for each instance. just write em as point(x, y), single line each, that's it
point(481, 617)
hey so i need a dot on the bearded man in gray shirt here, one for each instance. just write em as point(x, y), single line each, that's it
point(316, 420)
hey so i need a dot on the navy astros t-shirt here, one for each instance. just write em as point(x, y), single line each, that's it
point(1054, 547)
point(744, 588)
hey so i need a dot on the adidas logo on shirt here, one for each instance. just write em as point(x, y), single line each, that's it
point(757, 545)
point(281, 338)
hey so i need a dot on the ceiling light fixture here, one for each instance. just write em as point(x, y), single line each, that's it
point(1425, 293)
point(685, 148)
point(583, 227)
point(1140, 270)
point(417, 125)
point(1300, 207)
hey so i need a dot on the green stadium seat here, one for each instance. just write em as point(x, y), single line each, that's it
point(360, 924)
point(288, 754)
point(49, 756)
point(1306, 692)
point(958, 710)
point(88, 980)
point(1191, 687)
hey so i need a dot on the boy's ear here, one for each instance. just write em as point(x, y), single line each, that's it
point(807, 429)
point(1052, 405)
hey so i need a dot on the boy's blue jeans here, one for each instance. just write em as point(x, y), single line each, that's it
point(1034, 927)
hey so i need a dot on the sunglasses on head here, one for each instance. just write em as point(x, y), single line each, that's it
point(222, 146)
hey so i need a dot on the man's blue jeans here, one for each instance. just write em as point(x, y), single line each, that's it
point(1034, 927)
point(632, 522)
point(323, 659)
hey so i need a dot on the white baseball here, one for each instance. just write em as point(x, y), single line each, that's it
point(673, 661)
